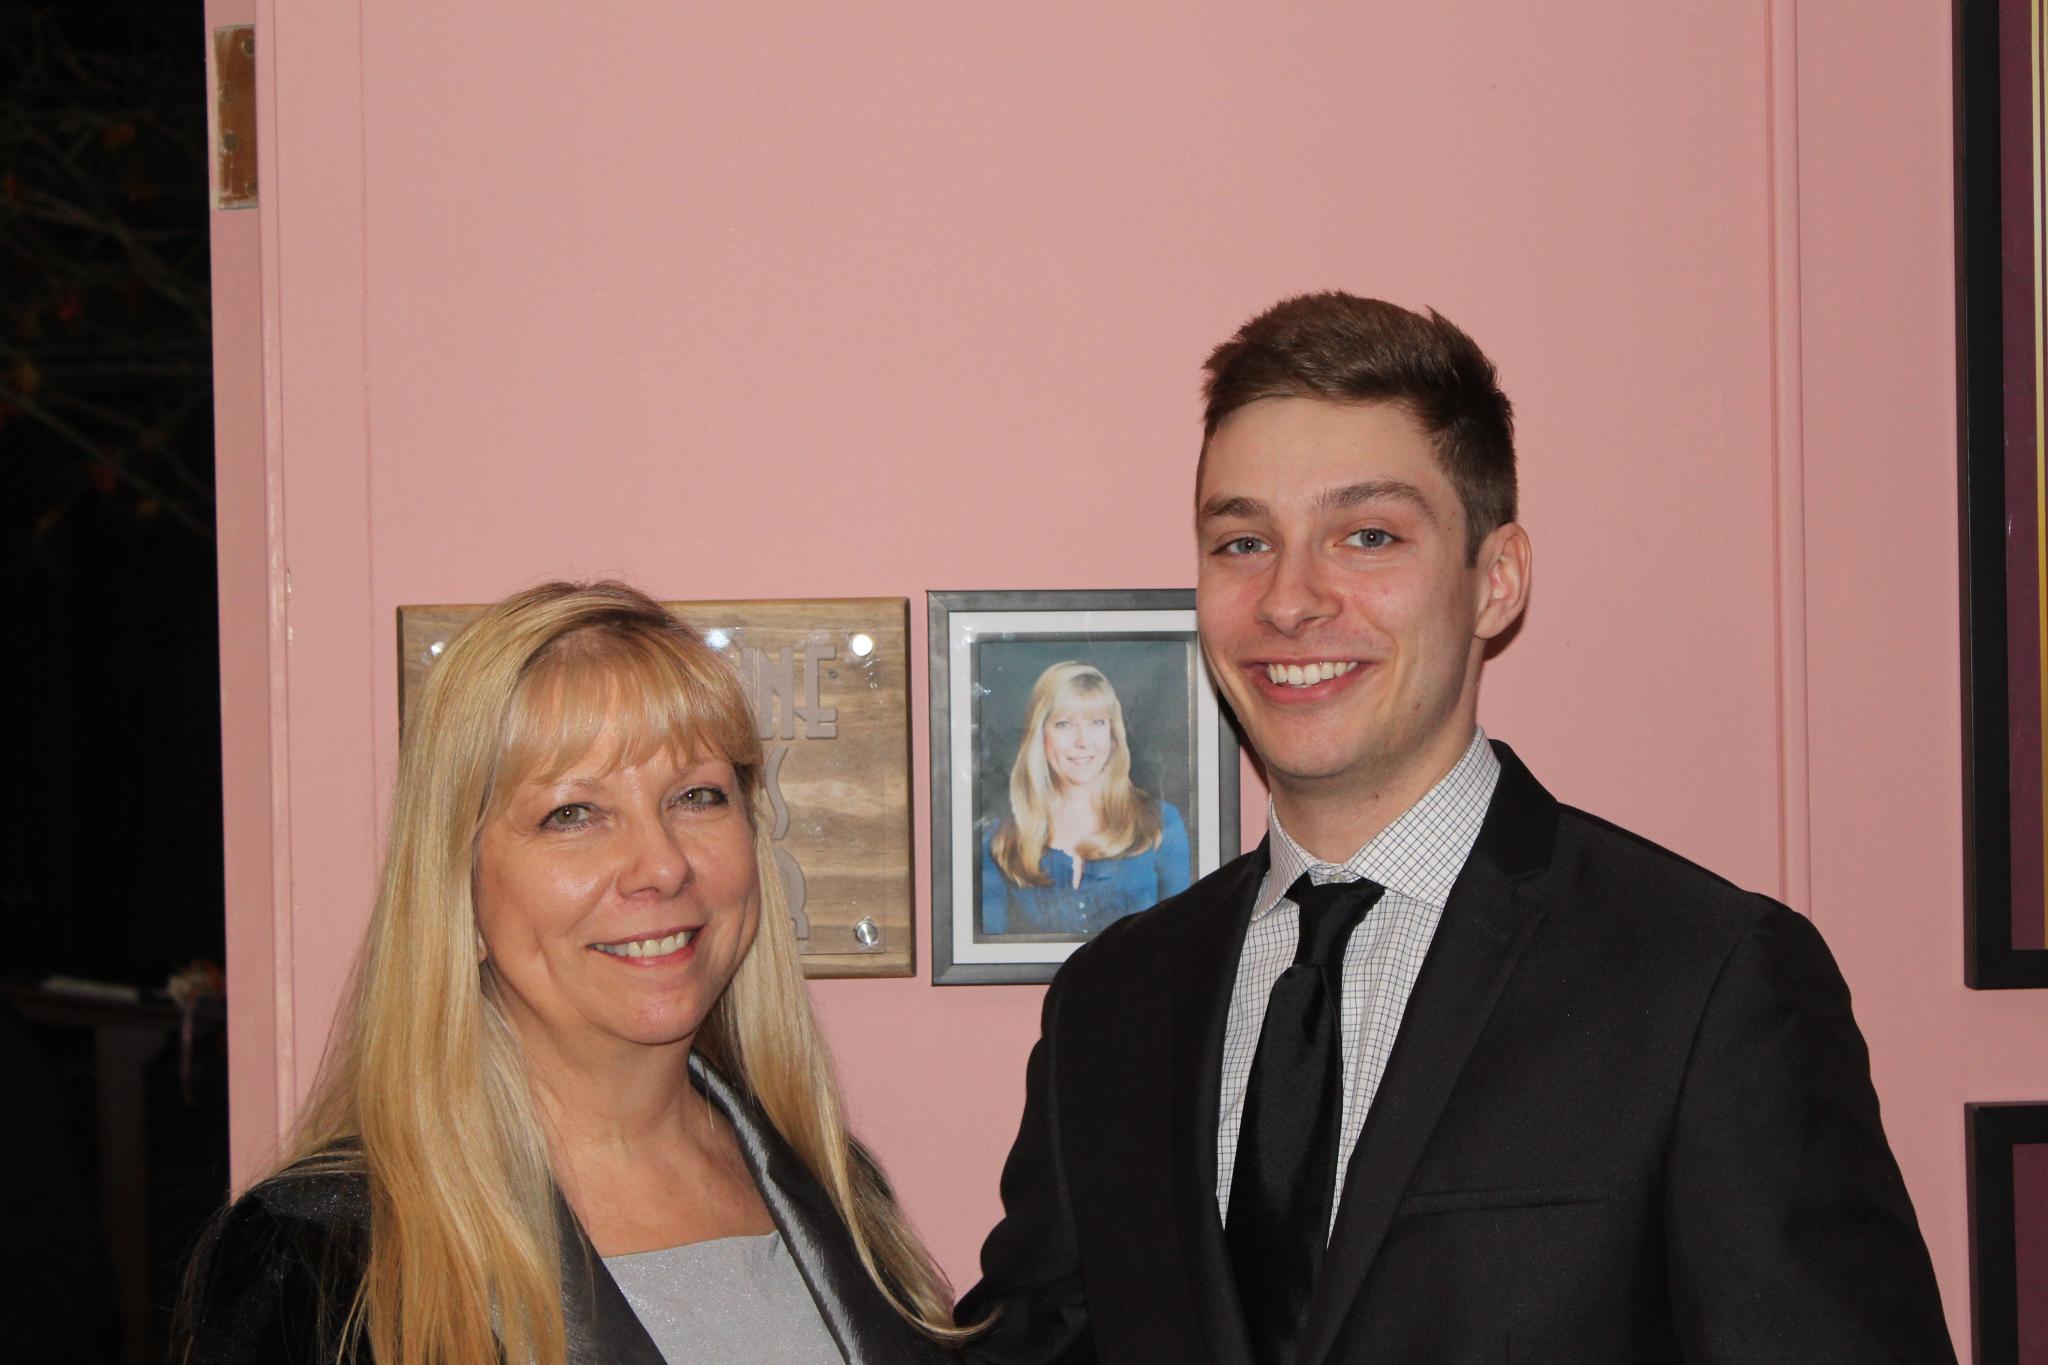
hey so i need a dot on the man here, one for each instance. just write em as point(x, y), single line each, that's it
point(1444, 1071)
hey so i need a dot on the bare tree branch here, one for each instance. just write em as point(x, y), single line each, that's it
point(105, 350)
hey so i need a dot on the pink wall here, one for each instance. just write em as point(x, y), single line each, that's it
point(804, 299)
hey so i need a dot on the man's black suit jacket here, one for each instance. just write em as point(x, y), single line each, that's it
point(1628, 1117)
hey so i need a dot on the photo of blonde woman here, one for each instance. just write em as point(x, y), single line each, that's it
point(1082, 845)
point(1082, 772)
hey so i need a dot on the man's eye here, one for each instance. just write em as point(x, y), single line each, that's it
point(1241, 545)
point(566, 817)
point(705, 795)
point(1371, 538)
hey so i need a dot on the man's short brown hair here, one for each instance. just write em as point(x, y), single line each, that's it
point(1350, 350)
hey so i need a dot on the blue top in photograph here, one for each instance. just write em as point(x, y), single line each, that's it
point(1110, 887)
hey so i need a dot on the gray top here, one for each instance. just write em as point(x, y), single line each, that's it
point(728, 1301)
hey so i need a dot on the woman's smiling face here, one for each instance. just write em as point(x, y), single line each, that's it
point(617, 902)
point(1078, 742)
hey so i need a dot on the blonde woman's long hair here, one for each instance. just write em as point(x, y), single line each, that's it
point(1127, 817)
point(425, 1090)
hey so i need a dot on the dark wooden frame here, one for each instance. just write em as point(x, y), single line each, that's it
point(1990, 959)
point(1993, 1131)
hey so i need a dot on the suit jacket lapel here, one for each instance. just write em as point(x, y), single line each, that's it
point(1485, 925)
point(600, 1325)
point(1205, 970)
point(859, 1319)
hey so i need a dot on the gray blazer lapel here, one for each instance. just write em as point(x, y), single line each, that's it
point(866, 1329)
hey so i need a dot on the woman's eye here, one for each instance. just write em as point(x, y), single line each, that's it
point(566, 817)
point(702, 796)
point(1371, 538)
point(1241, 545)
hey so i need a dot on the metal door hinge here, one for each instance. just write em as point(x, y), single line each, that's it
point(234, 117)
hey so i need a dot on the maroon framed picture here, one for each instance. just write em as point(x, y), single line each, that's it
point(2009, 1232)
point(2001, 180)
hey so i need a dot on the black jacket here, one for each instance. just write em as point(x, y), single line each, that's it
point(1628, 1117)
point(280, 1271)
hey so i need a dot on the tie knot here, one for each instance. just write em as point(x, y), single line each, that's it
point(1329, 913)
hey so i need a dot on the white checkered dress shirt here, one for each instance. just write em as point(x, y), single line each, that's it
point(1416, 858)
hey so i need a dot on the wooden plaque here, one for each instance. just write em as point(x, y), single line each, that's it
point(829, 680)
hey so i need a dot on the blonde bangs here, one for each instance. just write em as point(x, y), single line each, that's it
point(621, 699)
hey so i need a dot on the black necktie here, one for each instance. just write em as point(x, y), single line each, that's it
point(1287, 1146)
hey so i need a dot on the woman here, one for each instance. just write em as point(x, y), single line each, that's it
point(1083, 846)
point(577, 1109)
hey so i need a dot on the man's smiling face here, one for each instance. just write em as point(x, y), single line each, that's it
point(1338, 612)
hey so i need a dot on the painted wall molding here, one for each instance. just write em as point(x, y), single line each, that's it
point(1788, 464)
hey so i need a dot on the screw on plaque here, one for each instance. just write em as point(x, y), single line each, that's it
point(867, 934)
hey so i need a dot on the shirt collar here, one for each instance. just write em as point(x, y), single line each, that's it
point(1417, 857)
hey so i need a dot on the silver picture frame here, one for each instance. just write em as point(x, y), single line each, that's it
point(989, 653)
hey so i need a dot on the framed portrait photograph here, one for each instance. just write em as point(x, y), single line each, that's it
point(1082, 771)
point(2008, 1149)
point(2002, 404)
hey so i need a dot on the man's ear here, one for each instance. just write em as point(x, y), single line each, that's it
point(1503, 579)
